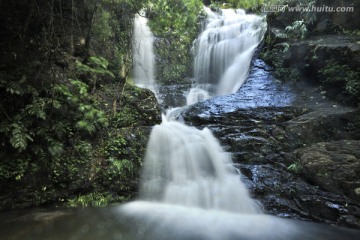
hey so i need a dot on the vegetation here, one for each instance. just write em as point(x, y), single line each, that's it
point(176, 24)
point(335, 74)
point(63, 98)
point(94, 200)
point(71, 126)
point(253, 5)
point(294, 59)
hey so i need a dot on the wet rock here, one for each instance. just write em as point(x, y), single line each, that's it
point(262, 125)
point(321, 124)
point(334, 166)
point(171, 96)
point(138, 107)
point(285, 194)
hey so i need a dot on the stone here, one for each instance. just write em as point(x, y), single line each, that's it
point(334, 166)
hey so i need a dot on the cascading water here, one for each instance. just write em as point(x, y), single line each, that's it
point(143, 54)
point(186, 171)
point(223, 53)
point(188, 167)
point(189, 187)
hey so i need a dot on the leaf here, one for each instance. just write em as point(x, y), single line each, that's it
point(19, 138)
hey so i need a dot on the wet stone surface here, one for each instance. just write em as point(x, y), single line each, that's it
point(264, 124)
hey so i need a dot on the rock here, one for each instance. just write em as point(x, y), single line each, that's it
point(317, 49)
point(349, 20)
point(321, 124)
point(130, 106)
point(329, 53)
point(334, 166)
point(140, 105)
point(320, 21)
point(262, 125)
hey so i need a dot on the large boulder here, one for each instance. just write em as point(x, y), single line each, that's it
point(334, 166)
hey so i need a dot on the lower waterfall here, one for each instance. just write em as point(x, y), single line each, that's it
point(188, 167)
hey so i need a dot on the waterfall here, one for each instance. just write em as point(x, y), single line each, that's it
point(188, 167)
point(143, 54)
point(185, 166)
point(187, 177)
point(223, 53)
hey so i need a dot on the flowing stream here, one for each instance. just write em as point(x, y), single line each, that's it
point(189, 187)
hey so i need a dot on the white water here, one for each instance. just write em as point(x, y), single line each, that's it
point(223, 53)
point(143, 54)
point(187, 176)
point(188, 167)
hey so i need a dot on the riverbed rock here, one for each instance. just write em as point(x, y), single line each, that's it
point(333, 122)
point(334, 166)
point(263, 125)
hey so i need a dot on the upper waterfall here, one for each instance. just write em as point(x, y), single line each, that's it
point(223, 52)
point(143, 54)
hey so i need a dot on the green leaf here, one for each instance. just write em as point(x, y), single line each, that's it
point(19, 138)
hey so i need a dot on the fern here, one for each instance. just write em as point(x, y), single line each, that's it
point(97, 65)
point(14, 88)
point(125, 168)
point(37, 108)
point(19, 139)
point(297, 29)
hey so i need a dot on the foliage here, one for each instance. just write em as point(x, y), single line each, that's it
point(296, 30)
point(94, 200)
point(112, 33)
point(254, 5)
point(281, 70)
point(340, 75)
point(58, 57)
point(96, 65)
point(176, 32)
point(295, 167)
point(94, 70)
